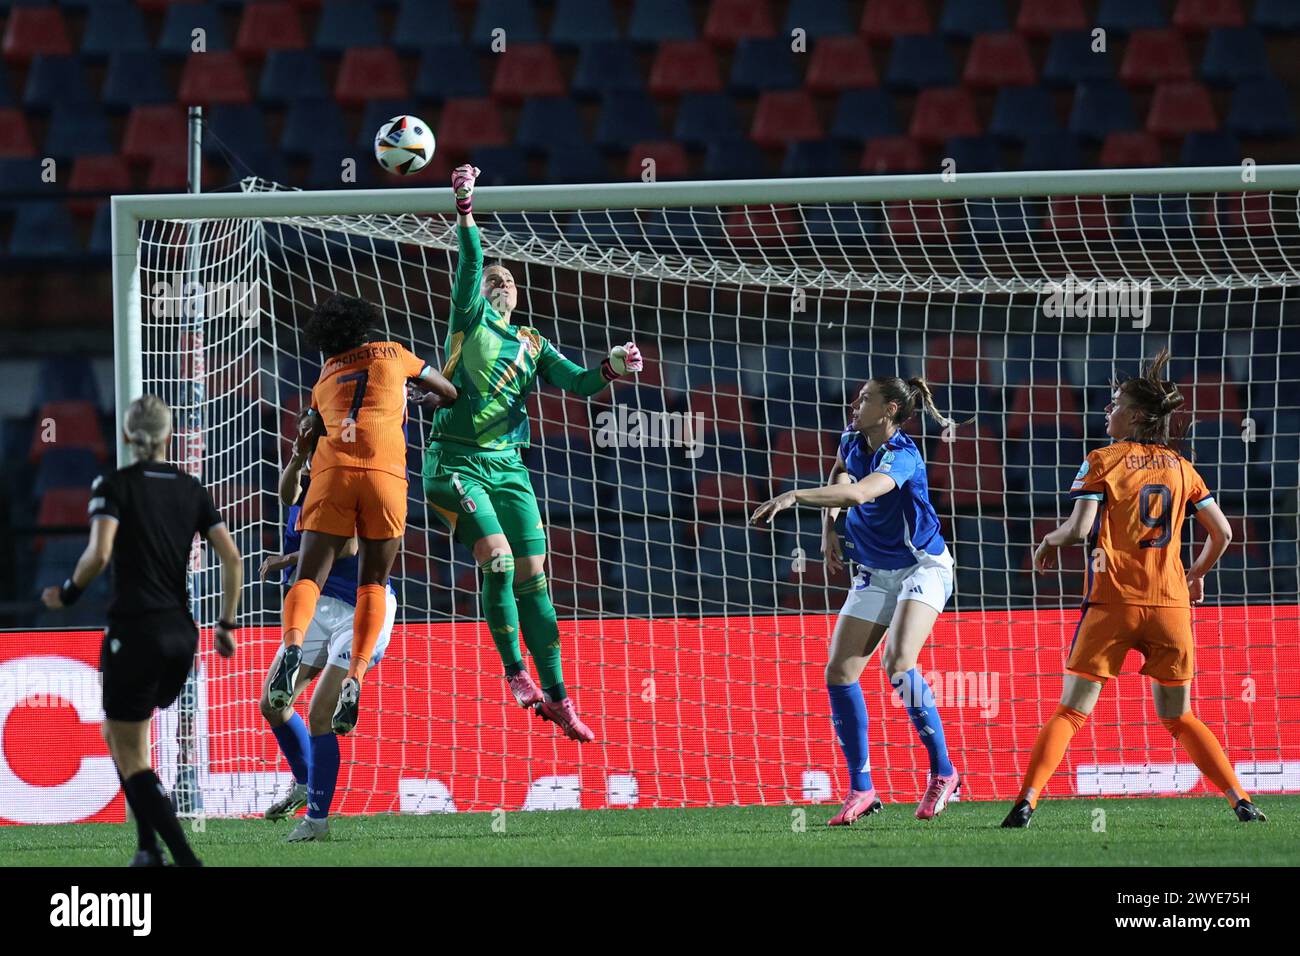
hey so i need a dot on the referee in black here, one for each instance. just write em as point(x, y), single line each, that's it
point(144, 518)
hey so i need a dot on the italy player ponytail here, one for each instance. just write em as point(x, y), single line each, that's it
point(908, 395)
point(1156, 400)
point(148, 427)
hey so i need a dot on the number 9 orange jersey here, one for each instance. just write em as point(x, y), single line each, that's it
point(1145, 492)
point(361, 398)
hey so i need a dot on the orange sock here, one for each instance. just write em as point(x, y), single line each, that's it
point(299, 608)
point(1203, 747)
point(367, 622)
point(1048, 750)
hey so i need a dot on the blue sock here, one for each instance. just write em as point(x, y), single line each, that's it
point(324, 775)
point(919, 701)
point(849, 715)
point(293, 740)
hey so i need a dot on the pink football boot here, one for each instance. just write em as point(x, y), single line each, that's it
point(526, 692)
point(561, 712)
point(860, 803)
point(938, 791)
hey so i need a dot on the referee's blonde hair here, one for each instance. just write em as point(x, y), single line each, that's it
point(148, 426)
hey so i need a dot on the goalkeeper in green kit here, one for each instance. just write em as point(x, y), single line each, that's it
point(474, 476)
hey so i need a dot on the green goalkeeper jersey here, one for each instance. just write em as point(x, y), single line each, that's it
point(494, 364)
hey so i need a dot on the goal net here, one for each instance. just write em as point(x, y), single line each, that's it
point(694, 644)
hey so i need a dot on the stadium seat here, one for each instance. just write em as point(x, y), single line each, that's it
point(817, 18)
point(999, 59)
point(759, 65)
point(669, 160)
point(113, 26)
point(704, 117)
point(1181, 108)
point(134, 79)
point(271, 26)
point(526, 70)
point(66, 468)
point(1210, 149)
point(1130, 148)
point(325, 169)
point(1261, 108)
point(77, 129)
point(573, 565)
point(515, 17)
point(576, 22)
point(7, 97)
point(312, 125)
point(1020, 112)
point(501, 165)
point(893, 154)
point(467, 122)
point(918, 62)
point(1002, 220)
point(941, 113)
point(1078, 217)
point(814, 158)
point(842, 227)
point(684, 66)
point(660, 21)
point(63, 507)
point(212, 78)
point(25, 176)
point(886, 19)
point(1051, 150)
point(604, 67)
point(179, 23)
point(733, 159)
point(448, 71)
point(987, 564)
point(42, 230)
point(861, 115)
point(1199, 16)
point(798, 458)
point(1101, 107)
point(566, 483)
point(345, 26)
point(105, 174)
point(544, 123)
point(155, 131)
point(736, 567)
point(1155, 56)
point(75, 424)
point(236, 129)
point(840, 63)
point(1043, 18)
point(576, 162)
point(1277, 16)
point(56, 79)
point(626, 118)
point(1211, 397)
point(35, 31)
point(760, 226)
point(784, 116)
point(421, 24)
point(973, 154)
point(289, 75)
point(966, 20)
point(729, 21)
point(1234, 54)
point(372, 73)
point(65, 378)
point(1128, 16)
point(1070, 60)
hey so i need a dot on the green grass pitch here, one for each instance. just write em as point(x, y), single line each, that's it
point(1137, 832)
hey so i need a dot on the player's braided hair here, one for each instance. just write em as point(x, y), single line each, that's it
point(148, 426)
point(908, 394)
point(340, 323)
point(1155, 400)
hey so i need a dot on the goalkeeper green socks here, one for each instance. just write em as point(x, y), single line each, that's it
point(541, 633)
point(499, 608)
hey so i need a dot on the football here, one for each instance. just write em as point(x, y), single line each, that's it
point(404, 145)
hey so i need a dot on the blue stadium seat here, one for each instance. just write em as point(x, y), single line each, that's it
point(707, 117)
point(576, 162)
point(643, 480)
point(654, 21)
point(730, 158)
point(313, 125)
point(1234, 54)
point(58, 559)
point(653, 567)
point(566, 483)
point(861, 115)
point(986, 564)
point(817, 18)
point(1261, 108)
point(101, 231)
point(1282, 16)
point(1101, 107)
point(515, 17)
point(7, 97)
point(549, 121)
point(961, 18)
point(762, 64)
point(1125, 16)
point(998, 220)
point(576, 22)
point(814, 158)
point(1023, 111)
point(135, 79)
point(290, 75)
point(606, 66)
point(1051, 151)
point(23, 177)
point(113, 26)
point(545, 225)
point(1070, 60)
point(265, 162)
point(1158, 217)
point(501, 165)
point(678, 232)
point(42, 230)
point(918, 61)
point(65, 378)
point(447, 71)
point(343, 26)
point(425, 23)
point(838, 225)
point(1210, 149)
point(66, 468)
point(737, 568)
point(56, 79)
point(626, 119)
point(974, 154)
point(182, 19)
point(78, 130)
point(239, 128)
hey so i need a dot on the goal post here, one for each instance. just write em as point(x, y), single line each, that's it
point(695, 643)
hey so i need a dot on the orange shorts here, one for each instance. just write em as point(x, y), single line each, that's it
point(361, 501)
point(1107, 632)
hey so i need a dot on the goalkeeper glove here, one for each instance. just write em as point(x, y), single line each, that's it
point(462, 181)
point(622, 359)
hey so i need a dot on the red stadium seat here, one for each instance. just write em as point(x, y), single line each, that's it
point(1210, 397)
point(155, 131)
point(573, 566)
point(559, 414)
point(799, 451)
point(1046, 404)
point(1154, 56)
point(762, 225)
point(956, 359)
point(921, 220)
point(213, 77)
point(999, 59)
point(732, 20)
point(893, 154)
point(470, 122)
point(1199, 16)
point(885, 19)
point(269, 26)
point(684, 66)
point(967, 471)
point(63, 506)
point(527, 69)
point(1180, 108)
point(724, 409)
point(785, 116)
point(1042, 18)
point(1069, 563)
point(720, 494)
point(370, 73)
point(1133, 148)
point(35, 31)
point(669, 159)
point(1078, 217)
point(943, 113)
point(841, 63)
point(67, 425)
point(15, 135)
point(101, 174)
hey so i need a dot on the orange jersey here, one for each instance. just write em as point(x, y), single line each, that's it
point(1145, 492)
point(361, 397)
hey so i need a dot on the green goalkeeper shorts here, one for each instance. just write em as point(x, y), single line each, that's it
point(476, 494)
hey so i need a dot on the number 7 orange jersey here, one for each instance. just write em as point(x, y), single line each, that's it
point(361, 397)
point(1145, 493)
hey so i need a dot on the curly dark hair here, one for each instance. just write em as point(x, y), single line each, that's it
point(1156, 399)
point(340, 323)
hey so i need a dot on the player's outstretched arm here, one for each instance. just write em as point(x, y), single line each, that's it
point(1072, 531)
point(557, 370)
point(1218, 537)
point(869, 488)
point(434, 389)
point(93, 561)
point(467, 284)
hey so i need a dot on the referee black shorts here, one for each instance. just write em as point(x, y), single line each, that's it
point(145, 659)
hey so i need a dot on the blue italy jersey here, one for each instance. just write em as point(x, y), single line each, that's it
point(342, 582)
point(897, 529)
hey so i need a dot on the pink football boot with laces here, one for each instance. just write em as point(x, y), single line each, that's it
point(561, 712)
point(860, 803)
point(939, 789)
point(526, 692)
